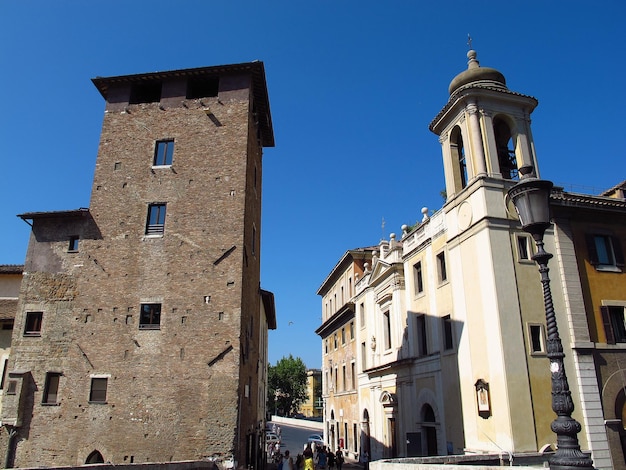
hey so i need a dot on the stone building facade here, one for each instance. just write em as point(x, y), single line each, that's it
point(141, 331)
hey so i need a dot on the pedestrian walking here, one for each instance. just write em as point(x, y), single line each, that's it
point(331, 460)
point(322, 458)
point(308, 460)
point(287, 461)
point(339, 458)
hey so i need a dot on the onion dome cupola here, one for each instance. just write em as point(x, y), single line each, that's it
point(475, 74)
point(484, 128)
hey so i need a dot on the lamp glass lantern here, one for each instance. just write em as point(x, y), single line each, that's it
point(531, 198)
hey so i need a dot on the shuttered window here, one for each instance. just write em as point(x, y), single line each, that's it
point(614, 324)
point(605, 251)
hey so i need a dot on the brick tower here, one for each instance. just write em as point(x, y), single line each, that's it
point(141, 334)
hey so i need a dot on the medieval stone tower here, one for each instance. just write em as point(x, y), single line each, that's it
point(140, 334)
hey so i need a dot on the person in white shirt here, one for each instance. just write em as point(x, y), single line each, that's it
point(287, 461)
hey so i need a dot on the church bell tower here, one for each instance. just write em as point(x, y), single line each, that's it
point(484, 129)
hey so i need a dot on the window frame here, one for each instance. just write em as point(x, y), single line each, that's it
point(418, 278)
point(156, 229)
point(612, 248)
point(535, 329)
point(98, 395)
point(33, 324)
point(362, 314)
point(165, 158)
point(442, 270)
point(151, 325)
point(611, 324)
point(364, 355)
point(522, 243)
point(51, 389)
point(73, 243)
point(422, 335)
point(353, 374)
point(387, 330)
point(448, 333)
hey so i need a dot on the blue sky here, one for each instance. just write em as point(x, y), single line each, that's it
point(353, 86)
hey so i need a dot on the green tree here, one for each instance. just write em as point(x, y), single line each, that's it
point(286, 386)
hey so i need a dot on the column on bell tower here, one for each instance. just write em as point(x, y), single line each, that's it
point(477, 141)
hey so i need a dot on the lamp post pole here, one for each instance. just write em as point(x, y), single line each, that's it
point(531, 197)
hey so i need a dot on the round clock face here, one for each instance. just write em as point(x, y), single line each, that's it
point(464, 215)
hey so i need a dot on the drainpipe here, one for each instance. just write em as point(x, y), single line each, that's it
point(8, 459)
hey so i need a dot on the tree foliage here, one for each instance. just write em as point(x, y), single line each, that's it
point(286, 386)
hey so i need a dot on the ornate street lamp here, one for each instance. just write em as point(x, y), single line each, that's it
point(531, 198)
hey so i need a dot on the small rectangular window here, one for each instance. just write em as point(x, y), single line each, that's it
point(202, 87)
point(353, 375)
point(73, 244)
point(51, 388)
point(163, 153)
point(605, 252)
point(343, 336)
point(422, 344)
point(33, 324)
point(362, 315)
point(150, 317)
point(98, 392)
point(363, 356)
point(335, 340)
point(12, 387)
point(145, 92)
point(441, 267)
point(614, 322)
point(387, 329)
point(351, 330)
point(448, 341)
point(418, 278)
point(537, 340)
point(156, 219)
point(523, 248)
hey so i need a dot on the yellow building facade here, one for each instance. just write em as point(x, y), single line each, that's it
point(339, 357)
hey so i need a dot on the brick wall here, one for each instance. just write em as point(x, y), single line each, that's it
point(176, 392)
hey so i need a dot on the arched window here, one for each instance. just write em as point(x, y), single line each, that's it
point(458, 158)
point(365, 447)
point(506, 149)
point(94, 457)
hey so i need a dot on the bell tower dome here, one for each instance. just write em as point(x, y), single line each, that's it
point(484, 128)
